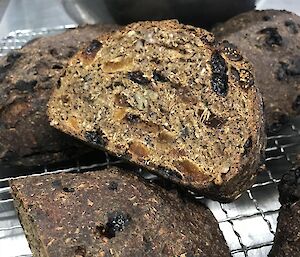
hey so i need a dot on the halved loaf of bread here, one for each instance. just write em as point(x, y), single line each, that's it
point(167, 97)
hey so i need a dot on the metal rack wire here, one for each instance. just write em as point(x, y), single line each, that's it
point(248, 224)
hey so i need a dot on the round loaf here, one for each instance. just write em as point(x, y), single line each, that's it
point(27, 77)
point(287, 239)
point(168, 97)
point(270, 40)
point(111, 213)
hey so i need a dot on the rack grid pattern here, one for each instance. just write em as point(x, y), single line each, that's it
point(248, 224)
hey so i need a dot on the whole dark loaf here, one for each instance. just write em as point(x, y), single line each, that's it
point(112, 213)
point(270, 40)
point(168, 97)
point(27, 77)
point(287, 237)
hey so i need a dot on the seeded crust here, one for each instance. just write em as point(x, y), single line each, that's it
point(167, 97)
point(27, 77)
point(112, 213)
point(287, 237)
point(270, 40)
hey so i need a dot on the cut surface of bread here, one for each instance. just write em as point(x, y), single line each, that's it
point(112, 213)
point(168, 97)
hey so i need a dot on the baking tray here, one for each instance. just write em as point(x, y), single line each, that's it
point(248, 224)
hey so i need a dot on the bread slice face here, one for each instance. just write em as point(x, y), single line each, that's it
point(167, 97)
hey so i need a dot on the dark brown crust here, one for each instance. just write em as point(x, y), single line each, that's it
point(233, 183)
point(27, 77)
point(287, 237)
point(64, 214)
point(270, 40)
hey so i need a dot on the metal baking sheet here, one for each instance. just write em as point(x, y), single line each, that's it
point(248, 224)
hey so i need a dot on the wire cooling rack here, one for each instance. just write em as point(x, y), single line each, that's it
point(248, 224)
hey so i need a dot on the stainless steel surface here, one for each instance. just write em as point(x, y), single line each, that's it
point(290, 5)
point(248, 224)
point(197, 12)
point(33, 14)
point(88, 11)
point(3, 6)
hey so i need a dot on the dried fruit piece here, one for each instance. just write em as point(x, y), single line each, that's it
point(138, 77)
point(121, 100)
point(132, 118)
point(266, 18)
point(26, 85)
point(288, 69)
point(281, 73)
point(214, 121)
point(218, 64)
point(68, 189)
point(219, 84)
point(219, 79)
point(272, 36)
point(292, 26)
point(117, 64)
point(57, 66)
point(186, 95)
point(96, 137)
point(248, 145)
point(158, 76)
point(117, 221)
point(166, 136)
point(93, 47)
point(113, 185)
point(138, 149)
point(190, 169)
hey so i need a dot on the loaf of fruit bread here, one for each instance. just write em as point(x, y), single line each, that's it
point(270, 40)
point(27, 77)
point(112, 213)
point(168, 97)
point(287, 237)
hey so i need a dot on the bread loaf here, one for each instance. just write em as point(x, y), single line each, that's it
point(270, 40)
point(168, 97)
point(112, 213)
point(27, 77)
point(287, 239)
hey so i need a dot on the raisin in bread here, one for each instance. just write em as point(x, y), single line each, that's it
point(112, 213)
point(27, 77)
point(287, 237)
point(270, 40)
point(168, 97)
